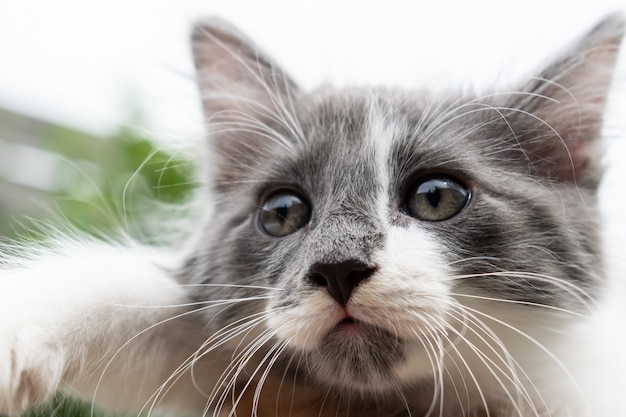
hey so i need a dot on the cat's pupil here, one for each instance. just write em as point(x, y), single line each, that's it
point(283, 213)
point(436, 199)
point(434, 196)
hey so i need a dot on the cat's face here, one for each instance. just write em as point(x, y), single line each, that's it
point(376, 231)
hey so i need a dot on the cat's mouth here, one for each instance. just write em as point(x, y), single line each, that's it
point(348, 322)
point(353, 327)
point(350, 325)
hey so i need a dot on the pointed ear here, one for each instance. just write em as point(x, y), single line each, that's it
point(244, 95)
point(561, 110)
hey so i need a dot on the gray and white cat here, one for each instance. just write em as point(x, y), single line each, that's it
point(366, 252)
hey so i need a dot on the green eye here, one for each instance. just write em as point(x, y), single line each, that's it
point(436, 199)
point(284, 212)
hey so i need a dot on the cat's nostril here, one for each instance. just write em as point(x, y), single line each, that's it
point(340, 278)
point(358, 275)
point(318, 279)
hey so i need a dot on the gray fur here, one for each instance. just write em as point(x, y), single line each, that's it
point(529, 234)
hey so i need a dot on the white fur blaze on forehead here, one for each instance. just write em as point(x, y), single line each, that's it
point(380, 135)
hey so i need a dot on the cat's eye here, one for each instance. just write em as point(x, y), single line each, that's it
point(436, 199)
point(284, 212)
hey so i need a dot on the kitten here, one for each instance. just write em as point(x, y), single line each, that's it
point(368, 252)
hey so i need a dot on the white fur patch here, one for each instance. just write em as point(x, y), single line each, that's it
point(407, 296)
point(82, 313)
point(380, 135)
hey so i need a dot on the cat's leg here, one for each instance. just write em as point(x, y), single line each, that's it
point(96, 321)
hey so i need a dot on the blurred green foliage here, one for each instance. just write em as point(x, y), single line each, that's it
point(64, 407)
point(102, 185)
point(130, 174)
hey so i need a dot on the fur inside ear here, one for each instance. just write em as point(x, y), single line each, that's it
point(561, 112)
point(246, 98)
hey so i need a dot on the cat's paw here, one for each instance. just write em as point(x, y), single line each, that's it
point(31, 368)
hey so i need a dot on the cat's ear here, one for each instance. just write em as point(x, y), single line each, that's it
point(561, 110)
point(246, 97)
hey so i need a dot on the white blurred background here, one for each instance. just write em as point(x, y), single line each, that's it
point(85, 62)
point(88, 64)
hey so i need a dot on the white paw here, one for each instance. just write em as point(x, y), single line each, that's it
point(31, 368)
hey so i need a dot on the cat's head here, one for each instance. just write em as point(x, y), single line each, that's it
point(371, 231)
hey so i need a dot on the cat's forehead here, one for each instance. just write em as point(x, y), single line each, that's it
point(357, 118)
point(397, 134)
point(387, 128)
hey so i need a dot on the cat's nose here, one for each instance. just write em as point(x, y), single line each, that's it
point(340, 278)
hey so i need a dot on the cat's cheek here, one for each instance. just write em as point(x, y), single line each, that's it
point(304, 325)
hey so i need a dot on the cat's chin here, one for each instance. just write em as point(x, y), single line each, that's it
point(358, 356)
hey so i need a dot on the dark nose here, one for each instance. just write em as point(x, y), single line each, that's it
point(340, 278)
